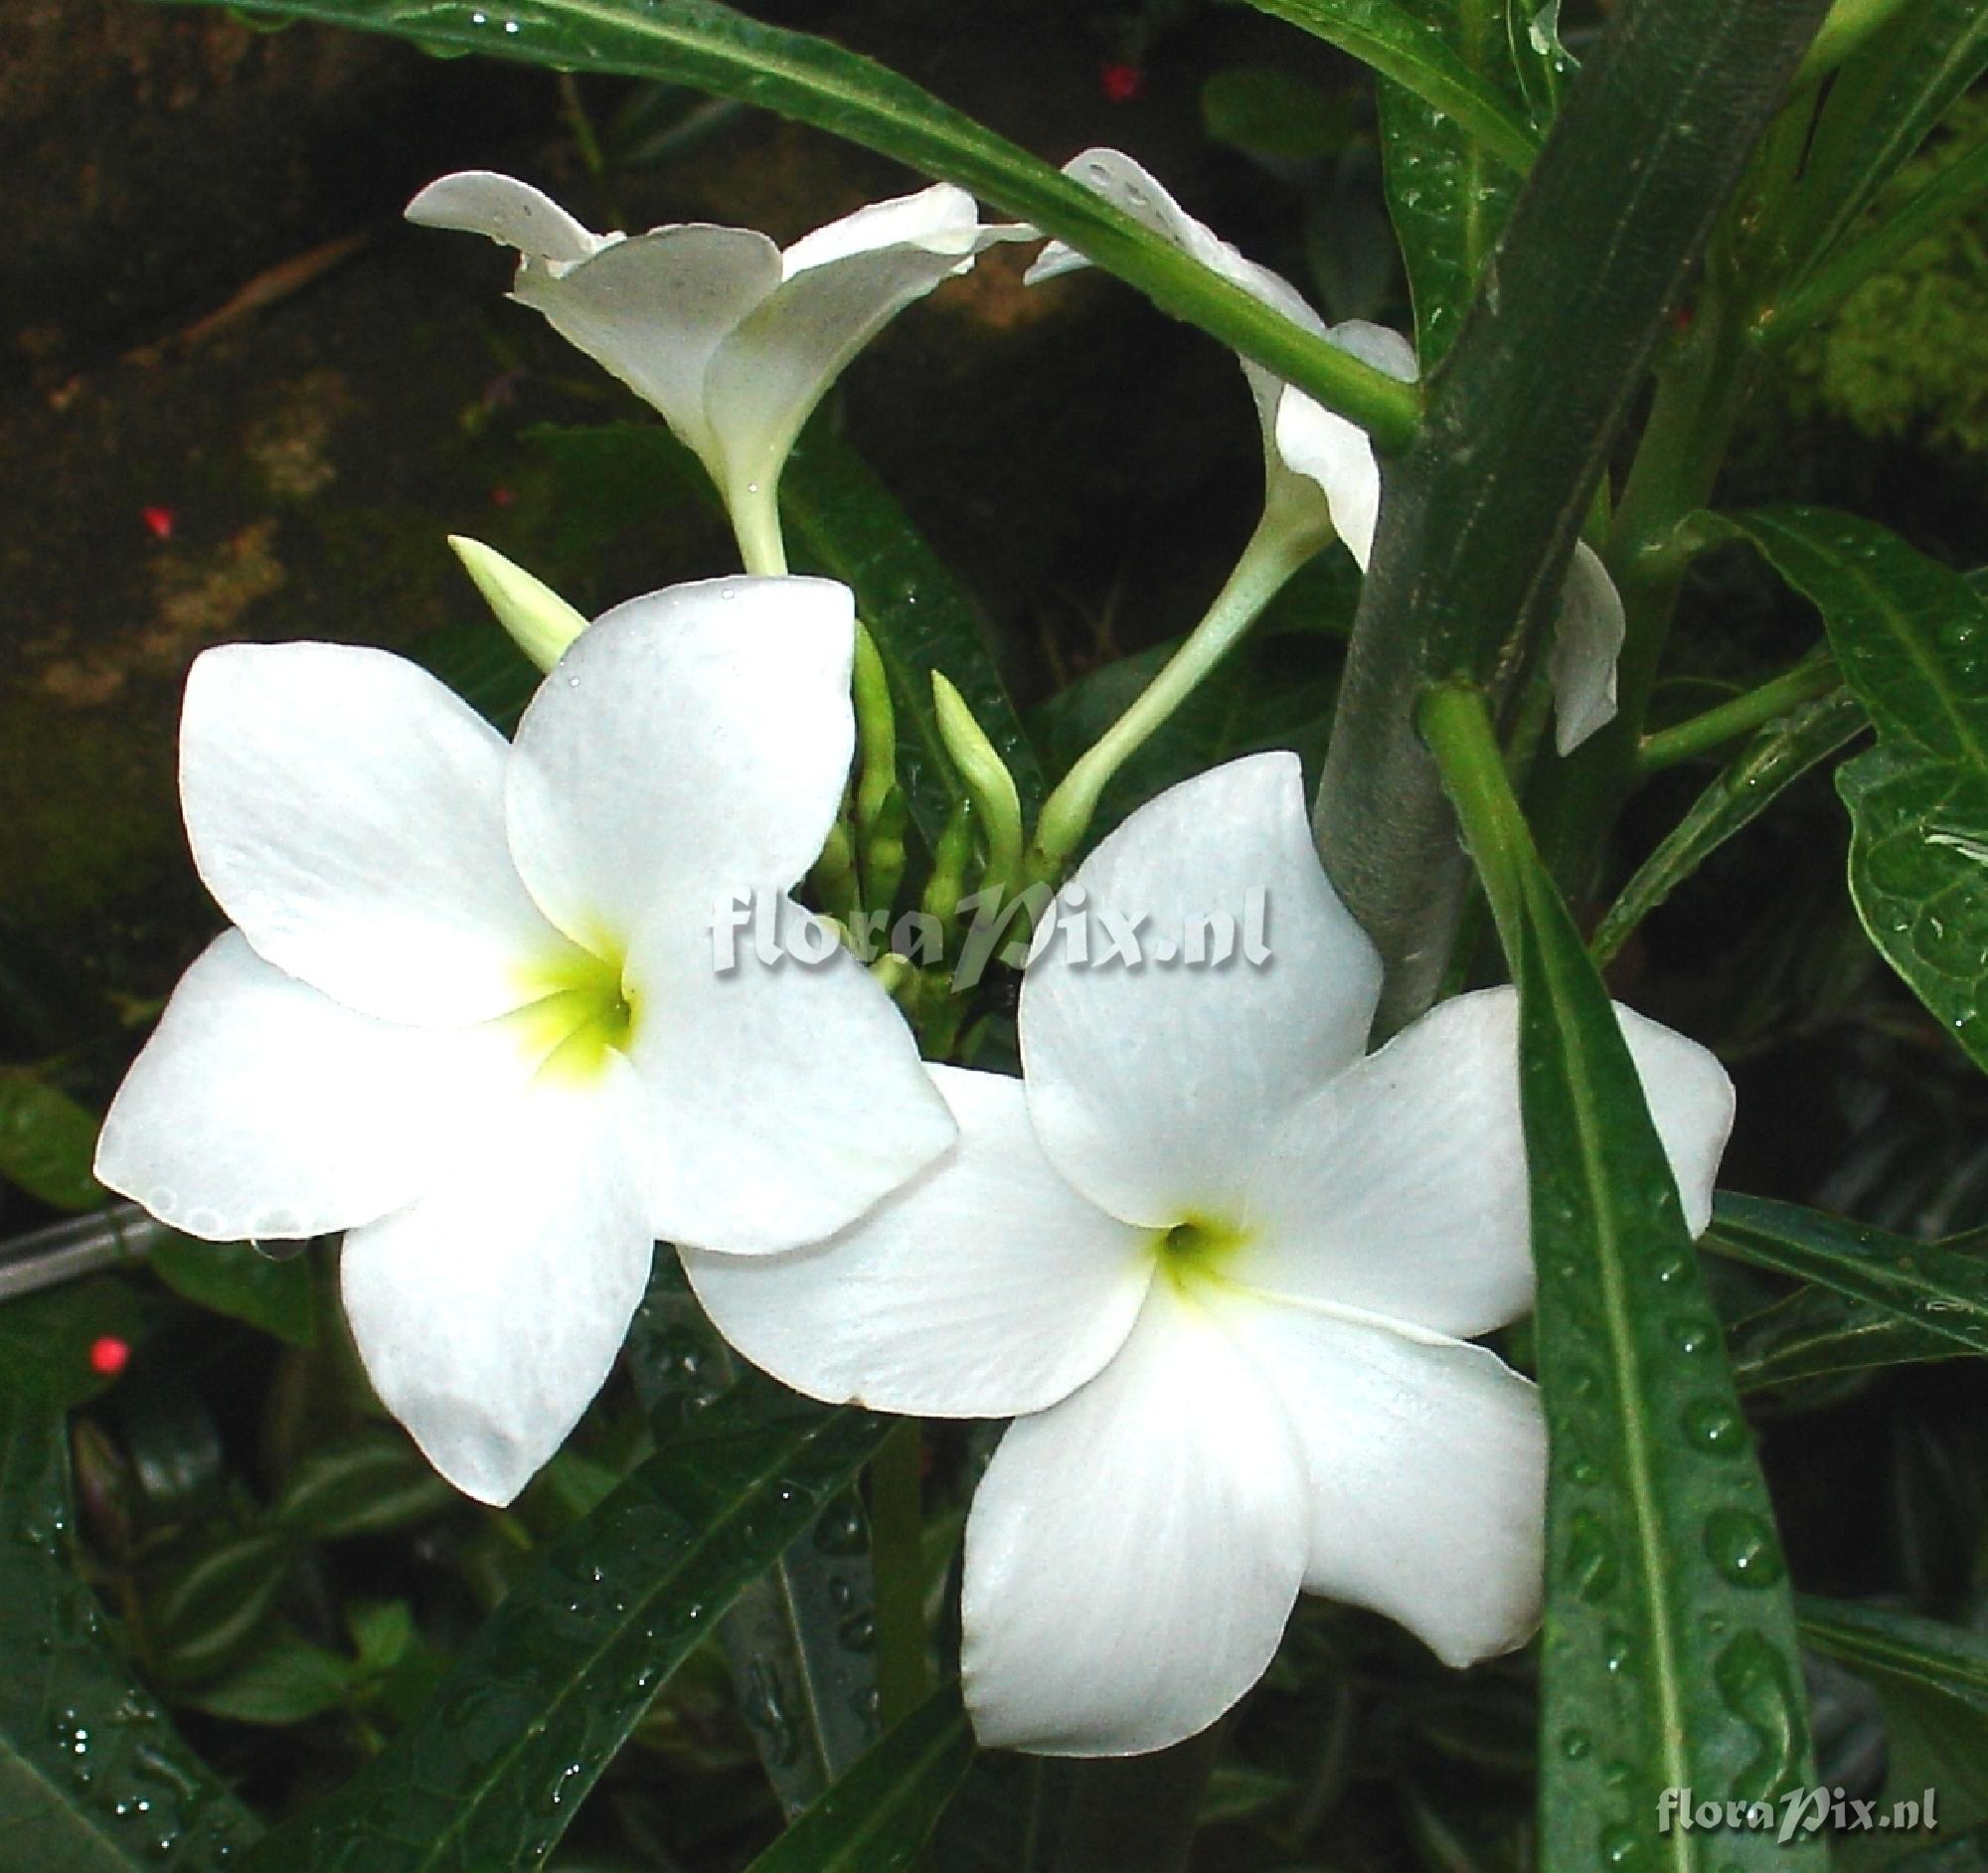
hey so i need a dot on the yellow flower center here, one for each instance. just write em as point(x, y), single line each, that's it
point(1193, 1251)
point(583, 1010)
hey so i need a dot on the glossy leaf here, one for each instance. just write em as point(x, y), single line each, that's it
point(46, 1339)
point(1757, 776)
point(284, 1680)
point(714, 48)
point(92, 1777)
point(1418, 57)
point(1940, 1294)
point(231, 1279)
point(1911, 638)
point(1669, 1654)
point(800, 1640)
point(1818, 1335)
point(1880, 109)
point(877, 1816)
point(47, 1143)
point(493, 1770)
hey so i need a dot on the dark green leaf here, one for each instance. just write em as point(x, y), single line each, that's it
point(205, 1606)
point(718, 50)
point(1004, 1817)
point(800, 1640)
point(1817, 1334)
point(1669, 1638)
point(877, 1818)
point(1879, 108)
point(1938, 1293)
point(1423, 61)
point(46, 1338)
point(492, 1770)
point(1265, 110)
point(842, 522)
point(48, 1144)
point(1911, 638)
point(285, 1679)
point(233, 1278)
point(92, 1778)
point(1763, 771)
point(365, 1482)
point(485, 668)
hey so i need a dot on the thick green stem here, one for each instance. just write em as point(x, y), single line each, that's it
point(897, 1547)
point(1455, 722)
point(756, 521)
point(1482, 509)
point(1702, 734)
point(1276, 551)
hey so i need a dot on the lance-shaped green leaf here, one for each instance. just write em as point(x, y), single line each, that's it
point(1449, 194)
point(45, 1143)
point(1879, 108)
point(490, 1774)
point(1911, 638)
point(1772, 762)
point(1817, 1333)
point(1940, 1292)
point(1418, 57)
point(719, 50)
point(1669, 1655)
point(1482, 511)
point(800, 1640)
point(877, 1816)
point(92, 1777)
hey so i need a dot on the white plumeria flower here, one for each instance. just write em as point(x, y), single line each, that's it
point(731, 338)
point(1321, 476)
point(1224, 1272)
point(468, 1013)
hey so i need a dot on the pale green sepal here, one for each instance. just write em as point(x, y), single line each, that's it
point(996, 803)
point(541, 623)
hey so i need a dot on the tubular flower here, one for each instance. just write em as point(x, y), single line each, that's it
point(1224, 1273)
point(731, 338)
point(1321, 478)
point(469, 1011)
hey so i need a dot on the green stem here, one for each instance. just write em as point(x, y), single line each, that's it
point(897, 1548)
point(1274, 552)
point(1813, 677)
point(756, 521)
point(1455, 723)
point(876, 733)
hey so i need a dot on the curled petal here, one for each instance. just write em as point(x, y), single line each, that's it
point(941, 218)
point(1308, 439)
point(260, 1108)
point(985, 1288)
point(784, 1098)
point(691, 744)
point(1155, 1080)
point(1425, 1463)
point(346, 810)
point(1132, 1554)
point(489, 1312)
point(509, 212)
point(1400, 1188)
point(1587, 641)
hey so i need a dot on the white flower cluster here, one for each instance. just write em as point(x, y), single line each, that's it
point(1222, 1270)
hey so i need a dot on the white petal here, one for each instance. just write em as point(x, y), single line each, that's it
point(985, 1288)
point(1154, 1087)
point(1311, 441)
point(1134, 190)
point(346, 810)
point(1587, 640)
point(261, 1107)
point(942, 219)
point(1400, 1188)
point(1378, 345)
point(511, 213)
point(1427, 1463)
point(489, 1313)
point(691, 743)
point(1132, 1554)
point(656, 308)
point(784, 1100)
point(767, 377)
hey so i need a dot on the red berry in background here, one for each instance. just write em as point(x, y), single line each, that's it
point(109, 1355)
point(1121, 82)
point(158, 521)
